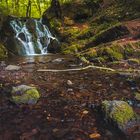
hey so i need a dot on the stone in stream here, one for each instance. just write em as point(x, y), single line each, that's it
point(69, 83)
point(121, 114)
point(58, 60)
point(12, 68)
point(24, 94)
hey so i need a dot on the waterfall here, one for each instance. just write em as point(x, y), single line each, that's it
point(32, 36)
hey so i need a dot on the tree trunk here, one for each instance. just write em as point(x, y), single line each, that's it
point(28, 11)
point(55, 5)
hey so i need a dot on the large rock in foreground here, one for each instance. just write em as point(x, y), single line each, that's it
point(25, 95)
point(120, 113)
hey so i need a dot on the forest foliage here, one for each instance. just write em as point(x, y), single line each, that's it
point(23, 8)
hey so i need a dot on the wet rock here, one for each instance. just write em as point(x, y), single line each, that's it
point(22, 36)
point(69, 83)
point(137, 96)
point(108, 133)
point(2, 64)
point(12, 68)
point(57, 133)
point(24, 94)
point(70, 90)
point(54, 46)
point(120, 113)
point(58, 60)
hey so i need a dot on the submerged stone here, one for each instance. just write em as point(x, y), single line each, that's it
point(69, 83)
point(58, 60)
point(120, 113)
point(12, 68)
point(24, 94)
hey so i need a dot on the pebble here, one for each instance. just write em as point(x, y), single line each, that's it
point(70, 90)
point(85, 112)
point(58, 60)
point(94, 136)
point(69, 83)
point(2, 64)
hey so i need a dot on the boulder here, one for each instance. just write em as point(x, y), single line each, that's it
point(24, 94)
point(12, 68)
point(120, 113)
point(54, 46)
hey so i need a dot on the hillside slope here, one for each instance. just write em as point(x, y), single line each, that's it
point(93, 30)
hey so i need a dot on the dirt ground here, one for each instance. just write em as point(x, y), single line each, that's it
point(64, 111)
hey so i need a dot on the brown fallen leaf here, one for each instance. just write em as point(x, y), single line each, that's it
point(85, 112)
point(94, 135)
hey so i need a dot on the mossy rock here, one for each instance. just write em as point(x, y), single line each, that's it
point(120, 112)
point(3, 52)
point(137, 96)
point(25, 95)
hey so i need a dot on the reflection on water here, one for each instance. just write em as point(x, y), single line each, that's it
point(29, 59)
point(49, 61)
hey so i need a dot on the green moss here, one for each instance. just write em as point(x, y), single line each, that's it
point(134, 61)
point(84, 60)
point(137, 96)
point(86, 33)
point(68, 21)
point(101, 59)
point(91, 53)
point(114, 55)
point(71, 49)
point(129, 50)
point(56, 24)
point(3, 52)
point(119, 111)
point(113, 52)
point(30, 96)
point(109, 33)
point(137, 44)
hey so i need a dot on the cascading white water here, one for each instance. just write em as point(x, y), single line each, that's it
point(32, 42)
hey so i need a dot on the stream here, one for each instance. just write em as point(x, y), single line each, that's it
point(69, 105)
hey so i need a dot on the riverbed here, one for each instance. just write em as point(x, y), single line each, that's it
point(69, 107)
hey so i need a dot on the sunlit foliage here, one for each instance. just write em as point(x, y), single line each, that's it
point(21, 7)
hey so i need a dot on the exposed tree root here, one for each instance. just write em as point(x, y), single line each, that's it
point(127, 72)
point(76, 69)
